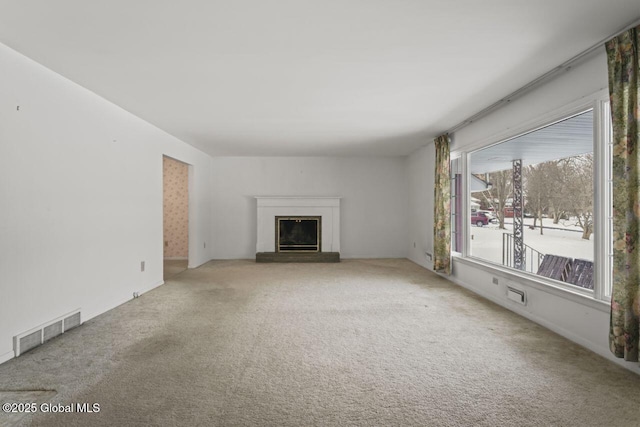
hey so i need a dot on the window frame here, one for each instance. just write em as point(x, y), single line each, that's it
point(598, 102)
point(458, 224)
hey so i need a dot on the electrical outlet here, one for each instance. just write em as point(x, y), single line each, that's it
point(142, 266)
point(495, 280)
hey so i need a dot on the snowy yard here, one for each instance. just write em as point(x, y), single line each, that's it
point(486, 242)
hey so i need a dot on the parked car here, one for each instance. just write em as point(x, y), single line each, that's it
point(479, 218)
point(490, 215)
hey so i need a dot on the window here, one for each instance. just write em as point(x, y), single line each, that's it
point(605, 202)
point(457, 214)
point(540, 202)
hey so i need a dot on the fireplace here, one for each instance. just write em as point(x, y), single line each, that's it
point(298, 233)
point(298, 229)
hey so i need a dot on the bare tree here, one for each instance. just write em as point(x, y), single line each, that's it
point(539, 189)
point(563, 187)
point(580, 192)
point(501, 190)
point(559, 173)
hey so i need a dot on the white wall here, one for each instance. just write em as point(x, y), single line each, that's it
point(421, 192)
point(374, 201)
point(579, 82)
point(79, 212)
point(578, 318)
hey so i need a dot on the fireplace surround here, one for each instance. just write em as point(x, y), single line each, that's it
point(296, 221)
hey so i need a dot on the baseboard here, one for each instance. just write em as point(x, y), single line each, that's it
point(195, 265)
point(603, 352)
point(422, 263)
point(90, 315)
point(153, 286)
point(6, 357)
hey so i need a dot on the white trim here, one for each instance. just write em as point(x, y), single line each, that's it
point(521, 310)
point(595, 102)
point(6, 357)
point(459, 213)
point(117, 303)
point(150, 288)
point(269, 207)
point(568, 292)
point(306, 201)
point(602, 200)
point(192, 242)
point(466, 205)
point(559, 114)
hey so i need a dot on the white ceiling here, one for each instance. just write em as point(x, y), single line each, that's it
point(306, 77)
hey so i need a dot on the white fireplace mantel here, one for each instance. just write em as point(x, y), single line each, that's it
point(271, 206)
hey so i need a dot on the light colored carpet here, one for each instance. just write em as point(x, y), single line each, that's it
point(359, 343)
point(171, 267)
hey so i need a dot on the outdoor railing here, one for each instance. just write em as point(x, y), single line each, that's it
point(531, 257)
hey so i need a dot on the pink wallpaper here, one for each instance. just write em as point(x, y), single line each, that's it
point(176, 208)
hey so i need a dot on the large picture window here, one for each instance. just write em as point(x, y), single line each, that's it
point(533, 202)
point(457, 214)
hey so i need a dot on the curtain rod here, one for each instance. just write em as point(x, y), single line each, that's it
point(565, 66)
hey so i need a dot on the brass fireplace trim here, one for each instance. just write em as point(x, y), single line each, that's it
point(300, 217)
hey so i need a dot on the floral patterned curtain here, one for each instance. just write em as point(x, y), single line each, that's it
point(624, 84)
point(442, 211)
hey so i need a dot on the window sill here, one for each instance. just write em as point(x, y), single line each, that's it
point(580, 296)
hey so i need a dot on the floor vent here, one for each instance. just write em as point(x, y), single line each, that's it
point(30, 341)
point(52, 331)
point(34, 337)
point(72, 321)
point(516, 295)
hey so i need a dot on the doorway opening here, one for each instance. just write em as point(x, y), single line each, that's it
point(175, 216)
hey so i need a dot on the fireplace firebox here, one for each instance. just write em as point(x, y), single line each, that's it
point(298, 233)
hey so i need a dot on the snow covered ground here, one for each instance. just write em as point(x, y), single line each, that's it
point(486, 242)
